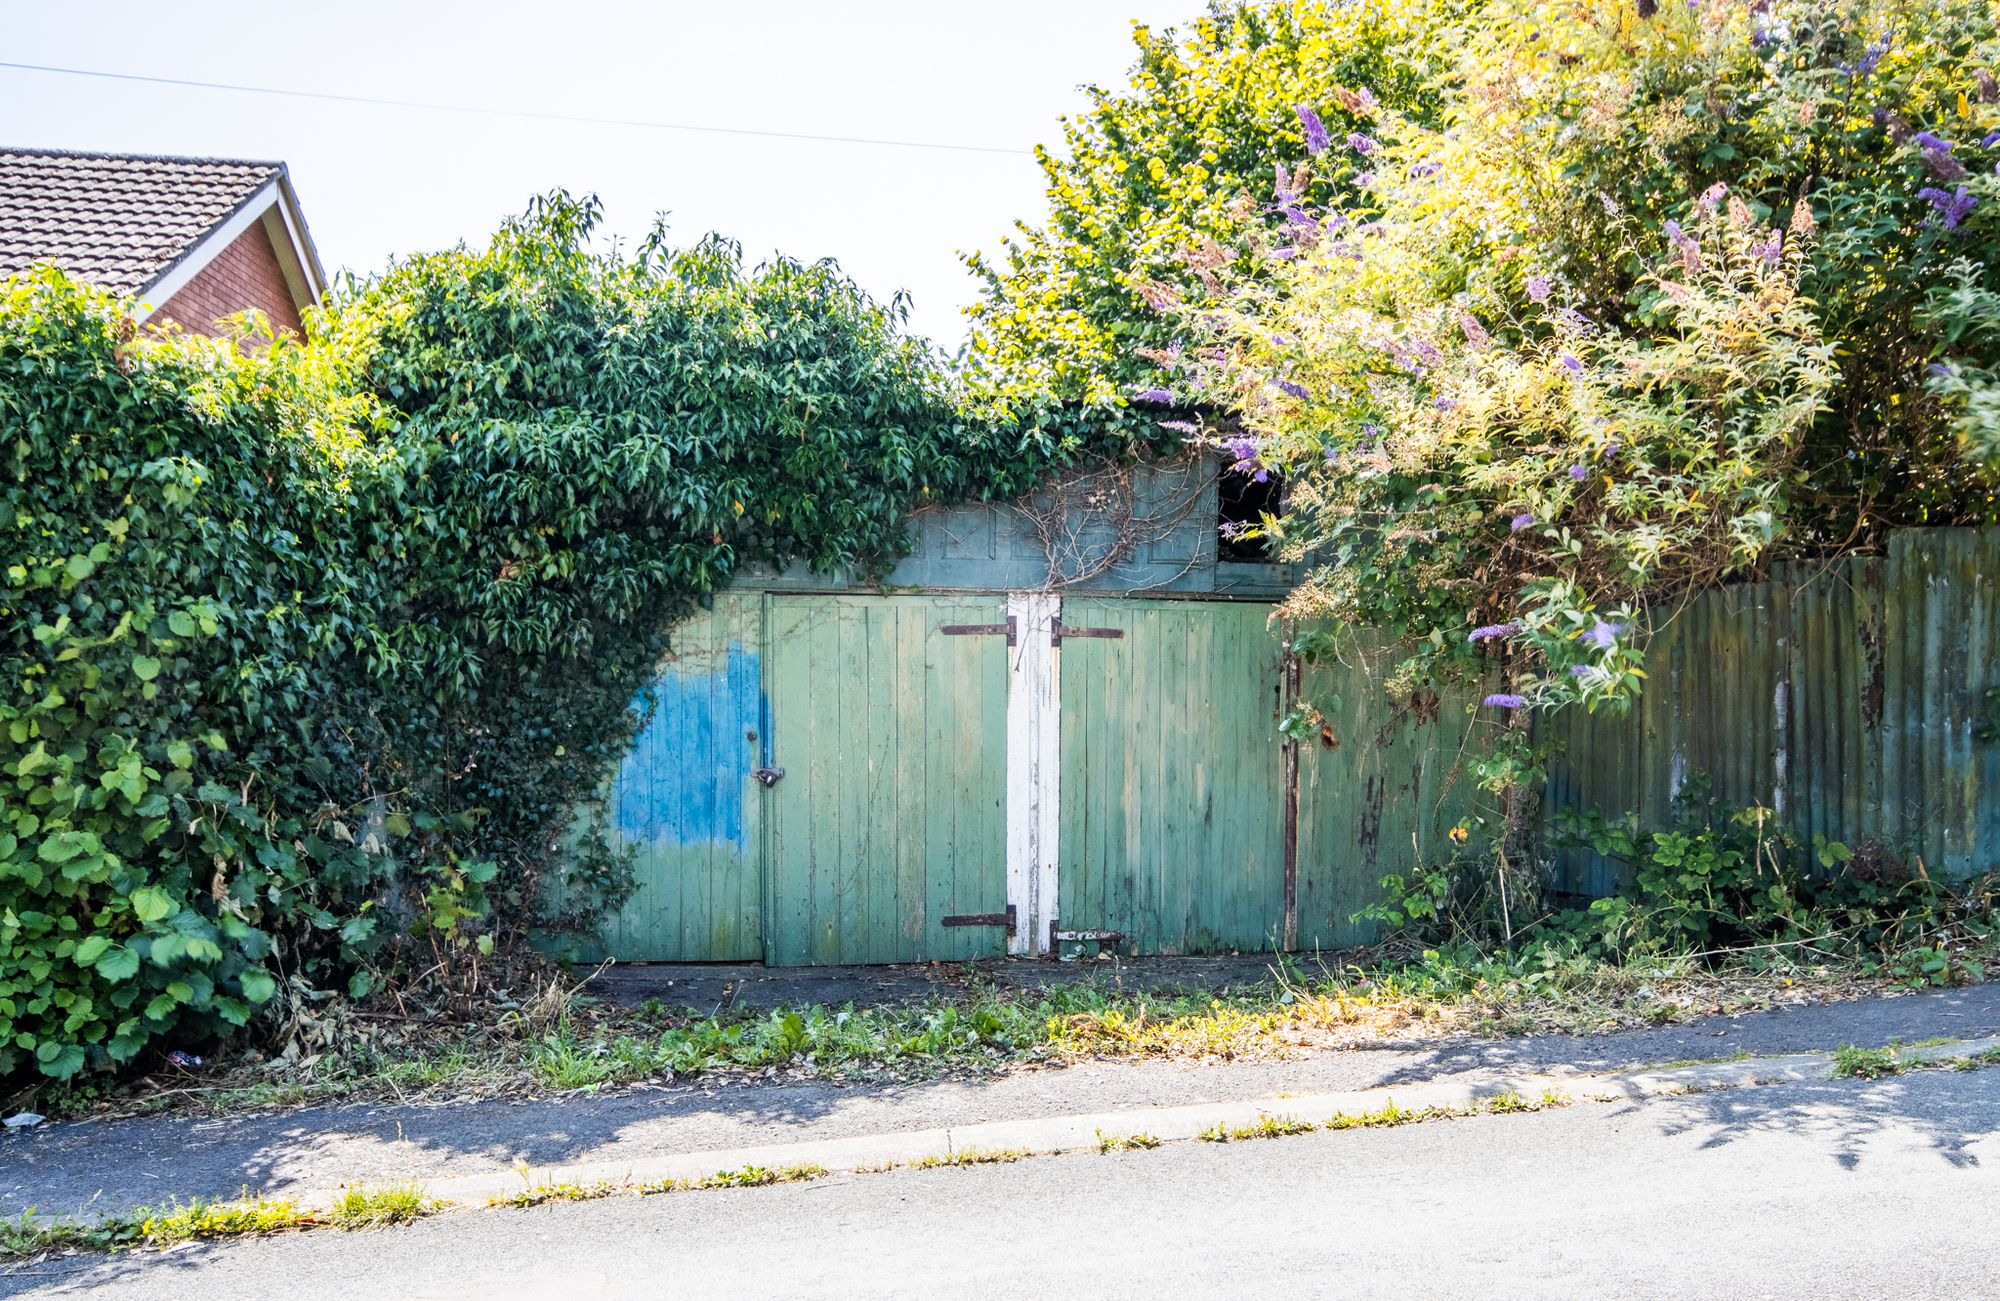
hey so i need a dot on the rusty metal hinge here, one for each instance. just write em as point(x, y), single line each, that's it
point(1059, 630)
point(980, 630)
point(984, 919)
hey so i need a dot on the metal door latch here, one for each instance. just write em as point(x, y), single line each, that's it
point(768, 777)
point(1005, 919)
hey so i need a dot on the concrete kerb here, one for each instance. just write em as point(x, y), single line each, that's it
point(1056, 1135)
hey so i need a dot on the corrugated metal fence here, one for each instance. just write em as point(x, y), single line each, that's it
point(1861, 700)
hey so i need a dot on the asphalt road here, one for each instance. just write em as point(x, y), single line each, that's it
point(1828, 1190)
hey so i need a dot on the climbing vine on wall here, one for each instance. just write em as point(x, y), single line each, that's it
point(310, 652)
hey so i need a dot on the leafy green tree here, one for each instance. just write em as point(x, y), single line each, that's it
point(1162, 185)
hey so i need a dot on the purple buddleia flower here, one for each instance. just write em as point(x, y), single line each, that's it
point(1991, 138)
point(1869, 58)
point(1159, 397)
point(1938, 370)
point(1317, 139)
point(1574, 319)
point(1582, 670)
point(1174, 351)
point(1943, 167)
point(1571, 364)
point(1673, 229)
point(1475, 333)
point(1360, 143)
point(1603, 635)
point(1364, 179)
point(1332, 455)
point(1421, 170)
point(1295, 216)
point(1538, 288)
point(1938, 160)
point(1505, 700)
point(1711, 198)
point(1365, 100)
point(1181, 427)
point(1292, 387)
point(1245, 450)
point(1495, 632)
point(1282, 191)
point(1444, 404)
point(1279, 253)
point(1952, 207)
point(1579, 472)
point(1769, 250)
point(1522, 521)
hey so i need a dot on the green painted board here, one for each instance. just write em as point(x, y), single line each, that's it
point(892, 812)
point(685, 803)
point(1172, 818)
point(1379, 790)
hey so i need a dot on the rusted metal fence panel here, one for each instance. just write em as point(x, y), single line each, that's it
point(1858, 700)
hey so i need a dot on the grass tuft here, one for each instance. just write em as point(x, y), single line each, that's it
point(1851, 1063)
point(1125, 1142)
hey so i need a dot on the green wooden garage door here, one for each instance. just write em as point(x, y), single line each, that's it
point(892, 812)
point(684, 802)
point(1172, 812)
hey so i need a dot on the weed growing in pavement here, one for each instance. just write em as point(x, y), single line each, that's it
point(1125, 1142)
point(970, 1156)
point(1265, 1127)
point(369, 1208)
point(31, 1235)
point(1851, 1063)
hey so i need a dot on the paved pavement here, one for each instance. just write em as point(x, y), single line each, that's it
point(106, 1166)
point(1834, 1189)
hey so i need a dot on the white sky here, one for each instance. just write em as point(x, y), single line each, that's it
point(375, 180)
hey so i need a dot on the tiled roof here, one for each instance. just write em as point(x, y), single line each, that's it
point(116, 220)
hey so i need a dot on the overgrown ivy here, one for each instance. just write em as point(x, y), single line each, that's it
point(312, 650)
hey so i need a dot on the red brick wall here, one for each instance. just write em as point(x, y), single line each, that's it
point(246, 274)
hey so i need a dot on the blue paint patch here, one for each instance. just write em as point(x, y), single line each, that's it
point(685, 779)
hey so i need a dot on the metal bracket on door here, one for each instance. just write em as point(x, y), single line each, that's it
point(980, 630)
point(1005, 919)
point(1058, 937)
point(768, 777)
point(1059, 630)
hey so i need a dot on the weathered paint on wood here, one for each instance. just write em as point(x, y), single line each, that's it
point(684, 800)
point(1034, 768)
point(892, 812)
point(1378, 791)
point(1172, 822)
point(1860, 701)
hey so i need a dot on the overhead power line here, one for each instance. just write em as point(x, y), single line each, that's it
point(529, 114)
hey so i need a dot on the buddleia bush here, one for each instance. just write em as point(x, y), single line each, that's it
point(1658, 299)
point(311, 650)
